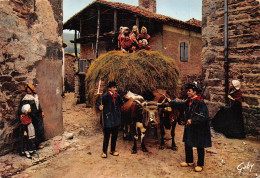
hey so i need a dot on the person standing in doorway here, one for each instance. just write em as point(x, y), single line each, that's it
point(111, 107)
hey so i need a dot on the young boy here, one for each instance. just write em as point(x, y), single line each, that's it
point(27, 144)
point(111, 107)
point(197, 130)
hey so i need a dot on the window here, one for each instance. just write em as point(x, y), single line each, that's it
point(82, 65)
point(184, 52)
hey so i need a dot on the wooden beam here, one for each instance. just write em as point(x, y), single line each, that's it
point(80, 27)
point(115, 21)
point(98, 30)
point(137, 21)
point(75, 44)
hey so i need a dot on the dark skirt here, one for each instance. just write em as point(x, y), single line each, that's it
point(229, 121)
point(39, 128)
point(25, 144)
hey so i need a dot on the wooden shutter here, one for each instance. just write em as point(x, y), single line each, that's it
point(186, 55)
point(82, 66)
point(182, 45)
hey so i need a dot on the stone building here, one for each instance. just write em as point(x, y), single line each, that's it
point(30, 52)
point(98, 25)
point(243, 39)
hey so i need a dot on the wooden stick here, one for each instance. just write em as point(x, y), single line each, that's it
point(75, 44)
point(98, 30)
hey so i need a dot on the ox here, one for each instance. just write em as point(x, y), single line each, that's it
point(139, 114)
point(168, 118)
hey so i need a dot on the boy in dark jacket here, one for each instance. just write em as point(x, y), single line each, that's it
point(197, 129)
point(111, 106)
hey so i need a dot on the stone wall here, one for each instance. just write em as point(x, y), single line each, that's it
point(244, 55)
point(30, 52)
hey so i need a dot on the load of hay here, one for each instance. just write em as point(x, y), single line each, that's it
point(141, 72)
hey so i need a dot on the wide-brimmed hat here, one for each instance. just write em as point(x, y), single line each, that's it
point(236, 84)
point(112, 84)
point(193, 87)
point(30, 88)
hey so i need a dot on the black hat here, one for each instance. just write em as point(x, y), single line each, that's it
point(193, 87)
point(112, 84)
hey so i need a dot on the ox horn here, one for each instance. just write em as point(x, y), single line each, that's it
point(138, 102)
point(159, 104)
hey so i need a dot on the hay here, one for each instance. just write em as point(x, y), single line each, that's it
point(141, 72)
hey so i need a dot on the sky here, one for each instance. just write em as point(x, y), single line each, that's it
point(178, 9)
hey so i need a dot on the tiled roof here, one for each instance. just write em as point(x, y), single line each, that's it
point(194, 22)
point(136, 10)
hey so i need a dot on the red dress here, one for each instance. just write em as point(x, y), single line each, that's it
point(25, 119)
point(144, 36)
point(126, 43)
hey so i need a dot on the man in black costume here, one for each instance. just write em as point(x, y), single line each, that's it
point(111, 107)
point(197, 130)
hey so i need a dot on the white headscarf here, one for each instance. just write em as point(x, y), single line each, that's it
point(25, 108)
point(236, 84)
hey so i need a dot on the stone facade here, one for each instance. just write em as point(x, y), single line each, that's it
point(30, 52)
point(244, 55)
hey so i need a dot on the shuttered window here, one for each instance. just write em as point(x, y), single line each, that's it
point(184, 52)
point(82, 65)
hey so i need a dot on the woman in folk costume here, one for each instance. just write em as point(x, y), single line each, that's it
point(27, 132)
point(36, 114)
point(229, 121)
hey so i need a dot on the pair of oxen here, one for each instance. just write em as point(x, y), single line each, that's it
point(138, 114)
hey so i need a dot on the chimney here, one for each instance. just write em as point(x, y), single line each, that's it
point(149, 5)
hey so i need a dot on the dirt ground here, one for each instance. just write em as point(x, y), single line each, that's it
point(226, 158)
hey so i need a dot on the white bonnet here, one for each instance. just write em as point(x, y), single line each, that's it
point(236, 84)
point(26, 108)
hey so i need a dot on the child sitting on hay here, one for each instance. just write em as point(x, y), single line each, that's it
point(126, 43)
point(143, 34)
point(121, 36)
point(144, 45)
point(134, 35)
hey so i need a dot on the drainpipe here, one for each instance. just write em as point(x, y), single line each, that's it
point(226, 63)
